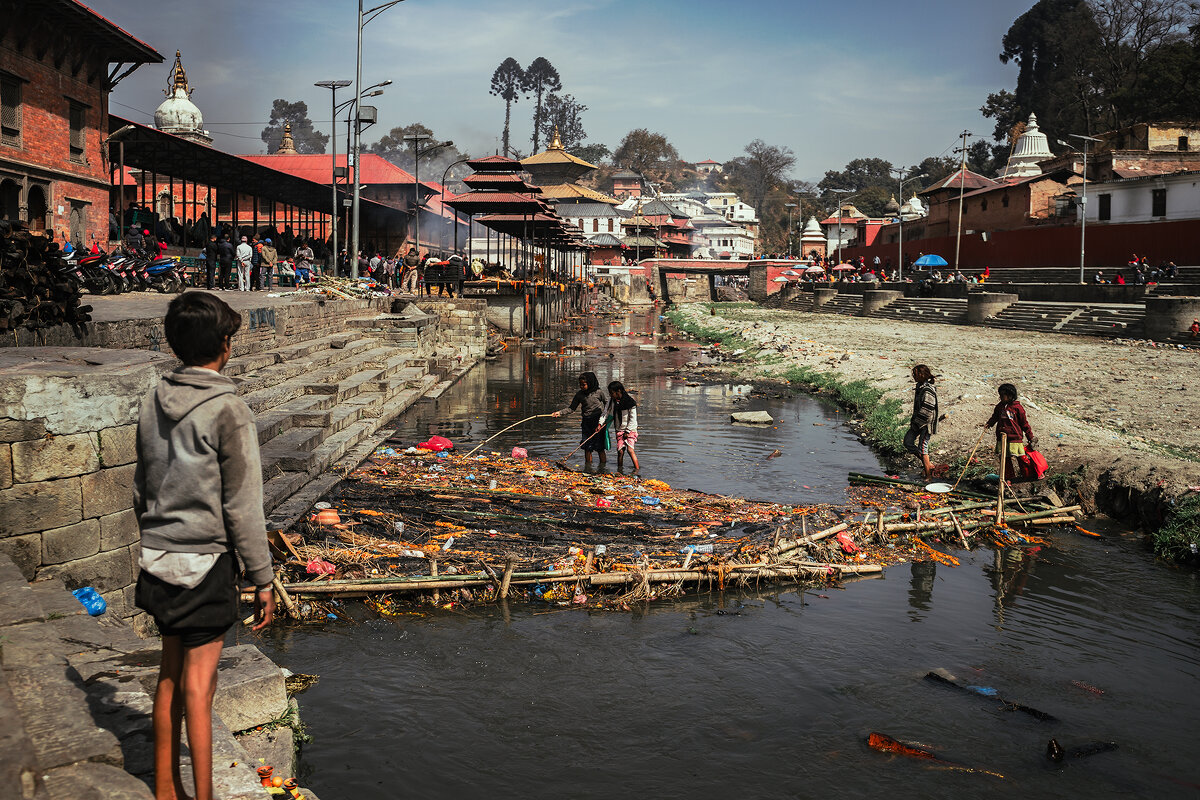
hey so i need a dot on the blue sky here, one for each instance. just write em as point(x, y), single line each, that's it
point(833, 81)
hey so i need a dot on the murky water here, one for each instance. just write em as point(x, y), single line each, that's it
point(755, 695)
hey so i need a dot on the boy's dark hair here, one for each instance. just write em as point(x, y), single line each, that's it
point(197, 326)
point(922, 373)
point(1007, 390)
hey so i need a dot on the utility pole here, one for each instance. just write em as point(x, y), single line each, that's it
point(1083, 203)
point(962, 183)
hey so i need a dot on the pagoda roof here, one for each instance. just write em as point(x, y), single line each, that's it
point(642, 241)
point(495, 203)
point(656, 207)
point(626, 173)
point(504, 181)
point(639, 221)
point(567, 191)
point(494, 164)
point(604, 240)
point(555, 153)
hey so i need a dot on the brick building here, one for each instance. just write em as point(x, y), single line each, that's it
point(58, 62)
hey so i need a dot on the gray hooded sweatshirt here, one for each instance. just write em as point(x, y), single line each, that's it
point(198, 483)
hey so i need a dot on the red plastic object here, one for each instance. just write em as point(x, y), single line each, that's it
point(848, 545)
point(520, 452)
point(437, 444)
point(318, 567)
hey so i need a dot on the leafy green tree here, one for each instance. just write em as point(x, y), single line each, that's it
point(594, 153)
point(508, 82)
point(393, 147)
point(564, 113)
point(643, 151)
point(307, 140)
point(541, 79)
point(764, 167)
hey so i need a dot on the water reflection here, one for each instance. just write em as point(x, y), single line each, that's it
point(920, 592)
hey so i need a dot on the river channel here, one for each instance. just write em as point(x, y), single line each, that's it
point(755, 695)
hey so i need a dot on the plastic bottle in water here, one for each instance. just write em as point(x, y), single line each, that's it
point(697, 548)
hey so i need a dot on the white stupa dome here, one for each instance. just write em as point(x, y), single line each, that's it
point(1030, 148)
point(812, 231)
point(912, 208)
point(177, 114)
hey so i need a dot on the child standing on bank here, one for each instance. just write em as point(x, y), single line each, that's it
point(1009, 418)
point(198, 497)
point(623, 410)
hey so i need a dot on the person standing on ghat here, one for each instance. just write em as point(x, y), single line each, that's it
point(225, 255)
point(245, 255)
point(269, 256)
point(211, 254)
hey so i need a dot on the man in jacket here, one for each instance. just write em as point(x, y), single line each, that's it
point(225, 255)
point(210, 261)
point(269, 255)
point(245, 257)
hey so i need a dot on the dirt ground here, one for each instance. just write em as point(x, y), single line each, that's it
point(1127, 410)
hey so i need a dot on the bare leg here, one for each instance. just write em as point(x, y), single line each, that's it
point(587, 457)
point(633, 458)
point(927, 465)
point(603, 458)
point(168, 721)
point(199, 686)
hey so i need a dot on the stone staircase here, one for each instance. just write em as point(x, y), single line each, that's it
point(1072, 318)
point(848, 305)
point(948, 311)
point(1045, 317)
point(316, 401)
point(76, 695)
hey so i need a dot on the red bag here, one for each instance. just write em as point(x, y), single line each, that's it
point(1034, 464)
point(437, 444)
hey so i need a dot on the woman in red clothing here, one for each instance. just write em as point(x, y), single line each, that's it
point(1009, 418)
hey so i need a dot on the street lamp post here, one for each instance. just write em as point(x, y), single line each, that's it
point(839, 243)
point(416, 139)
point(1083, 203)
point(454, 219)
point(364, 17)
point(789, 207)
point(333, 86)
point(900, 217)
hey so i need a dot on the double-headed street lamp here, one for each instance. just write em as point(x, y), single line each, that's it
point(418, 151)
point(1082, 199)
point(840, 204)
point(333, 86)
point(899, 173)
point(364, 17)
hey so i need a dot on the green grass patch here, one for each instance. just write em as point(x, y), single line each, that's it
point(707, 333)
point(1179, 537)
point(882, 417)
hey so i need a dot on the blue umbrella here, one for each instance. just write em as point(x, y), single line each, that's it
point(930, 260)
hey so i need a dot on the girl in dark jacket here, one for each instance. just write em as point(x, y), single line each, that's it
point(594, 408)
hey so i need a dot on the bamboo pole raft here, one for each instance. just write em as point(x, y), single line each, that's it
point(455, 530)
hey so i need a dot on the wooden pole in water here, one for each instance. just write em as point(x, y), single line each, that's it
point(286, 598)
point(1000, 491)
point(509, 562)
point(433, 573)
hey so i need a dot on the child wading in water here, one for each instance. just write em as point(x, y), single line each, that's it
point(1009, 418)
point(623, 409)
point(924, 417)
point(594, 407)
point(198, 497)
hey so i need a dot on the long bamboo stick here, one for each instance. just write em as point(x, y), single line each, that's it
point(786, 546)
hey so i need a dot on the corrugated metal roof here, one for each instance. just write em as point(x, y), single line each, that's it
point(586, 210)
point(604, 240)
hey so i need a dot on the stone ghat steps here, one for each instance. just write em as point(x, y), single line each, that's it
point(76, 694)
point(848, 305)
point(1071, 318)
point(951, 311)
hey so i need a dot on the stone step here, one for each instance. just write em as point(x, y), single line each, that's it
point(279, 372)
point(292, 380)
point(280, 487)
point(18, 603)
point(304, 438)
point(53, 706)
point(347, 387)
point(254, 361)
point(330, 420)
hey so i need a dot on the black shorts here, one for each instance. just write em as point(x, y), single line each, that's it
point(199, 615)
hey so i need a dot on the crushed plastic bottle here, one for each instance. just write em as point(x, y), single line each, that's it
point(91, 600)
point(697, 548)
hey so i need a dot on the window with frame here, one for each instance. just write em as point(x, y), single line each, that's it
point(1158, 203)
point(77, 120)
point(10, 110)
point(1104, 211)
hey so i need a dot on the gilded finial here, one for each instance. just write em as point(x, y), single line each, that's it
point(555, 140)
point(287, 146)
point(178, 78)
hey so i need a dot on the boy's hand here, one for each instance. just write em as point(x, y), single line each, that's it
point(264, 609)
point(554, 414)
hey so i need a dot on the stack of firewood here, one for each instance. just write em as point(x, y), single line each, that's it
point(36, 290)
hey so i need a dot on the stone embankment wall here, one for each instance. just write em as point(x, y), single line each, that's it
point(67, 452)
point(463, 325)
point(262, 328)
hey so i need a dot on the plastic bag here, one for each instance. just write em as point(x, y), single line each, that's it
point(1034, 464)
point(437, 444)
point(520, 452)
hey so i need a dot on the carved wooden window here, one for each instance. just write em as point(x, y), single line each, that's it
point(77, 119)
point(10, 111)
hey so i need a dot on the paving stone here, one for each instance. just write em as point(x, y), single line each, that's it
point(119, 529)
point(21, 430)
point(251, 690)
point(276, 747)
point(54, 710)
point(118, 446)
point(71, 542)
point(54, 641)
point(29, 507)
point(234, 772)
point(90, 781)
point(25, 551)
point(17, 601)
point(19, 772)
point(54, 599)
point(55, 457)
point(108, 491)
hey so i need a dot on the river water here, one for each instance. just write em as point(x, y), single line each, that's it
point(755, 694)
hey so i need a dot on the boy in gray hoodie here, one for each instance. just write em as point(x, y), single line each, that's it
point(198, 497)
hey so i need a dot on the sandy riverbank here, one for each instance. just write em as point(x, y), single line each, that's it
point(1128, 413)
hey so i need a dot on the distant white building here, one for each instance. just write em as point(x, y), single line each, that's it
point(707, 166)
point(1154, 198)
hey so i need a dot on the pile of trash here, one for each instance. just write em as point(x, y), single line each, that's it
point(426, 523)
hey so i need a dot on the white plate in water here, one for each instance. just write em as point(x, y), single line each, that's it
point(938, 488)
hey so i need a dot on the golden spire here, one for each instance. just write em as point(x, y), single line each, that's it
point(178, 78)
point(555, 140)
point(287, 147)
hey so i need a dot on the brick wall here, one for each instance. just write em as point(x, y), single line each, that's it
point(43, 156)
